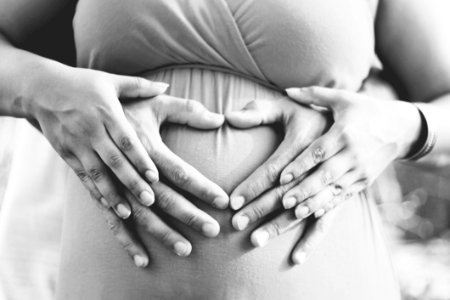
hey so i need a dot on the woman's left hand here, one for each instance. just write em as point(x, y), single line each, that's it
point(367, 135)
point(370, 132)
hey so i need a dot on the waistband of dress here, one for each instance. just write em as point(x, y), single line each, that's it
point(214, 69)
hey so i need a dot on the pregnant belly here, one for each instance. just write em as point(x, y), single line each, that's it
point(227, 267)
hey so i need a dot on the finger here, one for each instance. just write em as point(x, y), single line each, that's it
point(327, 173)
point(266, 175)
point(256, 113)
point(155, 226)
point(183, 210)
point(78, 169)
point(281, 224)
point(316, 95)
point(126, 238)
point(314, 235)
point(137, 87)
point(126, 139)
point(315, 204)
point(124, 171)
point(128, 241)
point(186, 177)
point(101, 177)
point(261, 207)
point(188, 112)
point(319, 151)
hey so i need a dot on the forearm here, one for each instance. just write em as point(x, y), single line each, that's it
point(437, 115)
point(23, 76)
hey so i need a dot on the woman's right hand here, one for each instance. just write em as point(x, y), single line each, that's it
point(79, 112)
point(147, 116)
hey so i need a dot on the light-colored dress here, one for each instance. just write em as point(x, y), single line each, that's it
point(224, 53)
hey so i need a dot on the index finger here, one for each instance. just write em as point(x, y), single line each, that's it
point(186, 177)
point(266, 176)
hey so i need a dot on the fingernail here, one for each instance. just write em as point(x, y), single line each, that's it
point(241, 222)
point(291, 91)
point(299, 258)
point(104, 202)
point(210, 229)
point(285, 179)
point(237, 202)
point(140, 261)
point(319, 213)
point(123, 211)
point(152, 176)
point(182, 248)
point(260, 238)
point(221, 202)
point(301, 212)
point(289, 202)
point(161, 85)
point(147, 198)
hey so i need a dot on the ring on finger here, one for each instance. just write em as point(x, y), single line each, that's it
point(337, 190)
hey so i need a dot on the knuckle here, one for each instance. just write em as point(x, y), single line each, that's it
point(96, 174)
point(127, 244)
point(258, 212)
point(64, 152)
point(272, 172)
point(302, 193)
point(82, 175)
point(318, 155)
point(275, 228)
point(180, 176)
point(165, 202)
point(165, 236)
point(253, 190)
point(191, 219)
point(326, 177)
point(134, 185)
point(114, 160)
point(191, 106)
point(125, 143)
point(139, 214)
point(137, 83)
point(114, 226)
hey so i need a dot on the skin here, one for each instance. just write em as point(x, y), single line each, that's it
point(367, 135)
point(80, 113)
point(39, 71)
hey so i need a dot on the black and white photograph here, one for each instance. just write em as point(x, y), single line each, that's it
point(224, 149)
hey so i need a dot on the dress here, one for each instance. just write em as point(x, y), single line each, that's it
point(225, 53)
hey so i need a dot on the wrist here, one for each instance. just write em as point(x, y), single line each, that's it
point(42, 82)
point(427, 138)
point(414, 133)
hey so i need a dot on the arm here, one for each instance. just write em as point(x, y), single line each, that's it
point(370, 133)
point(79, 112)
point(413, 41)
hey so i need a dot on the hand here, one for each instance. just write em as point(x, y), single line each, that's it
point(174, 205)
point(368, 134)
point(79, 112)
point(147, 116)
point(301, 124)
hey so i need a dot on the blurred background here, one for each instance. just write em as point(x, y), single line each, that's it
point(414, 203)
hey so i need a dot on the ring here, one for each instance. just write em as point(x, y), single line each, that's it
point(318, 155)
point(337, 190)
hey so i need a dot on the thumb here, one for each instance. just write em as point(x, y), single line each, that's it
point(255, 113)
point(137, 87)
point(188, 112)
point(318, 96)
